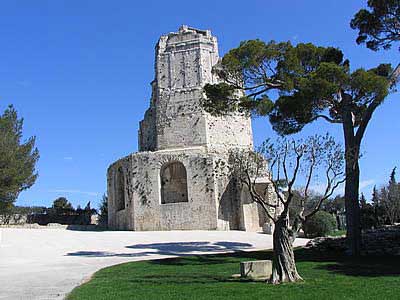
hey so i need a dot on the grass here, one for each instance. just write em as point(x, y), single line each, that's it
point(209, 277)
point(338, 233)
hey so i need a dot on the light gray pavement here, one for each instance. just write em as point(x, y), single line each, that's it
point(49, 263)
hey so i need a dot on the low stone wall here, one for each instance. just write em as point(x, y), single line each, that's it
point(382, 241)
point(33, 226)
point(91, 227)
point(14, 219)
point(82, 218)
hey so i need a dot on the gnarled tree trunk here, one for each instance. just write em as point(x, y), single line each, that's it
point(283, 264)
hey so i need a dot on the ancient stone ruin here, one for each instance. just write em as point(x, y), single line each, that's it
point(173, 182)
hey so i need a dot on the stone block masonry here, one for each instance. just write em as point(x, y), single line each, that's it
point(173, 182)
point(256, 269)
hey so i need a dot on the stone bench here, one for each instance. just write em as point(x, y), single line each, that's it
point(258, 269)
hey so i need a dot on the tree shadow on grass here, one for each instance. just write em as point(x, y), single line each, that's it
point(365, 270)
point(339, 263)
point(334, 262)
point(188, 279)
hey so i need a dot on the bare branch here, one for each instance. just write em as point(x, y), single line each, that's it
point(326, 118)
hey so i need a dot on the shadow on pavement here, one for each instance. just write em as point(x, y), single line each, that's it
point(176, 248)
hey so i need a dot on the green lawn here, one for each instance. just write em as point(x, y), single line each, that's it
point(338, 233)
point(209, 277)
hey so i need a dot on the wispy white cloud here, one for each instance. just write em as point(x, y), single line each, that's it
point(320, 188)
point(74, 192)
point(67, 157)
point(366, 183)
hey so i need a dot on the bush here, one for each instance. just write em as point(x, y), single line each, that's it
point(320, 224)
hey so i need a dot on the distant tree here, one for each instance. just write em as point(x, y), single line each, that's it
point(336, 206)
point(390, 199)
point(320, 224)
point(301, 201)
point(375, 197)
point(378, 27)
point(287, 158)
point(17, 159)
point(103, 211)
point(87, 207)
point(367, 213)
point(379, 214)
point(363, 201)
point(310, 83)
point(90, 211)
point(26, 210)
point(62, 205)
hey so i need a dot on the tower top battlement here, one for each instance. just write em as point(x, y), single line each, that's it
point(186, 28)
point(184, 59)
point(176, 119)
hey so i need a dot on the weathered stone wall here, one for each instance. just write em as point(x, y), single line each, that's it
point(176, 129)
point(143, 192)
point(173, 184)
point(228, 132)
point(13, 219)
point(175, 119)
point(215, 200)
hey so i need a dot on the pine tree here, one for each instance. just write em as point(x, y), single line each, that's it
point(363, 201)
point(375, 197)
point(390, 199)
point(297, 85)
point(379, 25)
point(376, 203)
point(103, 211)
point(17, 159)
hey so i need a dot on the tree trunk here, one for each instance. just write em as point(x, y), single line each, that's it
point(352, 153)
point(283, 264)
point(351, 194)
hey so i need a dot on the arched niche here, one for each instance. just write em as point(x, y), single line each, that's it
point(120, 189)
point(173, 183)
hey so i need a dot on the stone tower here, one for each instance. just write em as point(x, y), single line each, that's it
point(171, 183)
point(175, 119)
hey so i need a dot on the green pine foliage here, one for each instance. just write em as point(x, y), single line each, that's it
point(379, 26)
point(103, 211)
point(297, 85)
point(18, 159)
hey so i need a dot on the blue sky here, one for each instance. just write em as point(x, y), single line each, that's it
point(79, 73)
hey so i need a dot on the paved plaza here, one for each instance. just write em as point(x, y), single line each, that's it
point(49, 263)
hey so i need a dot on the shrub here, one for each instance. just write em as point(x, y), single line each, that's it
point(320, 224)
